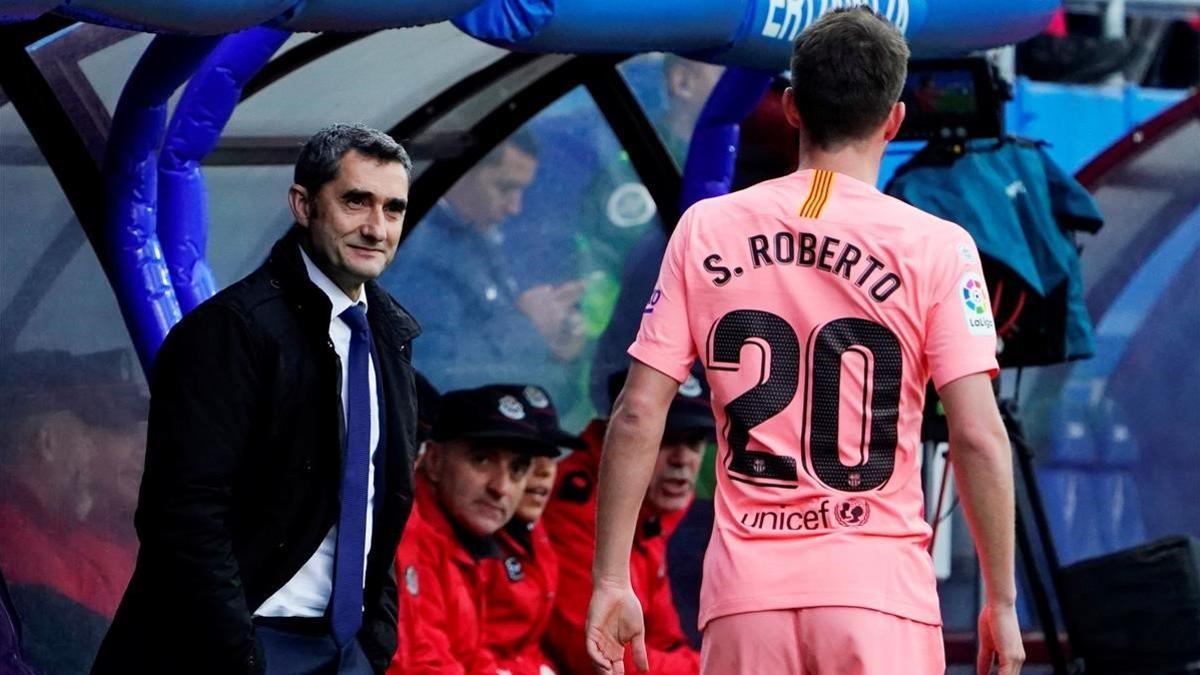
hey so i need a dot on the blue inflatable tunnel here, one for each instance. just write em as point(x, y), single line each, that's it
point(215, 17)
point(750, 33)
point(183, 16)
point(356, 15)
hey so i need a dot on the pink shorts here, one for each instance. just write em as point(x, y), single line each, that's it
point(821, 641)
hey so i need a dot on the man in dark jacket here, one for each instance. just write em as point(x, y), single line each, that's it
point(280, 448)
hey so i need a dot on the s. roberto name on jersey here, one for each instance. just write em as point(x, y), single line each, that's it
point(826, 254)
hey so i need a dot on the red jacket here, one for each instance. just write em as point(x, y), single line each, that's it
point(570, 520)
point(44, 549)
point(444, 601)
point(520, 597)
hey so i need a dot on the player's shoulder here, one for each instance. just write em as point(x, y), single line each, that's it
point(923, 221)
point(769, 195)
point(926, 230)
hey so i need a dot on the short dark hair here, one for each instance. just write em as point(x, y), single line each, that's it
point(323, 152)
point(522, 140)
point(848, 69)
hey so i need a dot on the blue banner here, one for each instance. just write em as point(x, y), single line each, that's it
point(749, 33)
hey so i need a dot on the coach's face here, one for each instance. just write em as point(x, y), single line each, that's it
point(354, 221)
point(478, 484)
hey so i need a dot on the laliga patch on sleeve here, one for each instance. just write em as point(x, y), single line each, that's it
point(976, 307)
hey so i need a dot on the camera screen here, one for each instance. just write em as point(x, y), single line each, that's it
point(950, 92)
point(950, 100)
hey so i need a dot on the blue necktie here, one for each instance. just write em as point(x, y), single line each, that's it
point(347, 600)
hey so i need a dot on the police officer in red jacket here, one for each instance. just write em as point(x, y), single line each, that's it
point(570, 521)
point(521, 595)
point(473, 476)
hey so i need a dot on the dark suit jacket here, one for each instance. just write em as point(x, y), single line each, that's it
point(243, 467)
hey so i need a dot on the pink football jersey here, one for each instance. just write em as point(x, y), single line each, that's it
point(820, 309)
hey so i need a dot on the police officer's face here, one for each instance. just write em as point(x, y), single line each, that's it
point(537, 489)
point(494, 191)
point(354, 221)
point(478, 484)
point(674, 480)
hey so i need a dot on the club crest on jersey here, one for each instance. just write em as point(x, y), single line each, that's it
point(513, 568)
point(511, 408)
point(976, 308)
point(853, 512)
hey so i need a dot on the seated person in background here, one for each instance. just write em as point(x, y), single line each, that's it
point(520, 598)
point(472, 478)
point(571, 523)
point(121, 452)
point(619, 209)
point(454, 273)
point(66, 545)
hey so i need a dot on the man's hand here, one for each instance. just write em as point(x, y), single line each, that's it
point(554, 312)
point(614, 620)
point(999, 640)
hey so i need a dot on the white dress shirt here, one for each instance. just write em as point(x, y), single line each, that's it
point(307, 593)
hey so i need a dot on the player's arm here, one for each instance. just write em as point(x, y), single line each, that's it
point(982, 461)
point(960, 347)
point(627, 461)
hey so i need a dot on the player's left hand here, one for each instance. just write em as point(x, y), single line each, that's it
point(615, 620)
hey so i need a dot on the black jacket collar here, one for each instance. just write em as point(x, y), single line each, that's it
point(389, 320)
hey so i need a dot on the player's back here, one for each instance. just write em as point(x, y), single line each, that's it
point(820, 308)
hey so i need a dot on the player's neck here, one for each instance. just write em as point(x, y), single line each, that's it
point(857, 161)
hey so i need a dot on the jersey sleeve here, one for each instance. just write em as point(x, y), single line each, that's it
point(664, 341)
point(960, 332)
